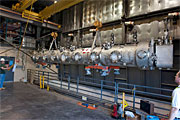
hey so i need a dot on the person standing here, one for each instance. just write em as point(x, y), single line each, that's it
point(175, 109)
point(3, 67)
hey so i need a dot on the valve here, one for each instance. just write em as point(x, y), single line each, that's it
point(116, 71)
point(88, 72)
point(107, 46)
point(104, 73)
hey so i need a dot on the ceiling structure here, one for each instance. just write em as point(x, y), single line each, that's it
point(37, 6)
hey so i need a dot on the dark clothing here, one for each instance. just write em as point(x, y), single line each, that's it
point(1, 70)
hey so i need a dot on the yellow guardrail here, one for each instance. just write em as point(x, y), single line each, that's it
point(41, 83)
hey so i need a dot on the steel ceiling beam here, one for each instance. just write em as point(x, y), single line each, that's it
point(57, 7)
point(8, 13)
point(20, 7)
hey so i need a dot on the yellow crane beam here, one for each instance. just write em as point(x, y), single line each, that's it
point(57, 7)
point(22, 5)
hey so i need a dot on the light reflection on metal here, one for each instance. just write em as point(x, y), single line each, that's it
point(115, 56)
point(63, 57)
point(141, 55)
point(77, 57)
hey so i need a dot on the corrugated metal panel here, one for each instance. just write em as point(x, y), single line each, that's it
point(77, 16)
point(118, 9)
point(153, 79)
point(72, 18)
point(29, 42)
point(118, 36)
point(65, 12)
point(75, 41)
point(87, 40)
point(138, 7)
point(154, 29)
point(136, 76)
point(106, 11)
point(89, 12)
point(106, 36)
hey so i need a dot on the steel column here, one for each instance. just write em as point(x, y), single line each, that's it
point(48, 79)
point(77, 89)
point(69, 78)
point(6, 28)
point(117, 90)
point(134, 96)
point(115, 96)
point(101, 88)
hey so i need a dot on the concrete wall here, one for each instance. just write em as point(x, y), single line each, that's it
point(20, 73)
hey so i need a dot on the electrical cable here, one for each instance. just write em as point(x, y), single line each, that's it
point(46, 35)
point(14, 46)
point(25, 29)
point(6, 51)
point(43, 37)
point(23, 51)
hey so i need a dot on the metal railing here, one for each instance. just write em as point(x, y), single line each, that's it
point(109, 91)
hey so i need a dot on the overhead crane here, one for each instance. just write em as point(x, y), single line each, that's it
point(47, 12)
point(23, 5)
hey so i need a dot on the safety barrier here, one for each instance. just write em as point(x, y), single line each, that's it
point(108, 91)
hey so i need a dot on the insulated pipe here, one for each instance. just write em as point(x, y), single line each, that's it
point(141, 55)
point(170, 15)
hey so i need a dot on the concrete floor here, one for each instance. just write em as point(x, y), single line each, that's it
point(22, 101)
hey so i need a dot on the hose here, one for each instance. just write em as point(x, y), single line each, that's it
point(6, 51)
point(23, 51)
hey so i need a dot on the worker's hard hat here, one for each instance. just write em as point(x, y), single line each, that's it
point(2, 59)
